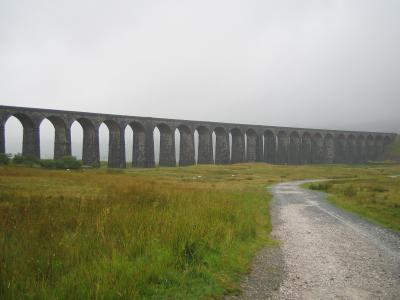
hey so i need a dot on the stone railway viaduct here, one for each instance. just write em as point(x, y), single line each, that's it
point(248, 143)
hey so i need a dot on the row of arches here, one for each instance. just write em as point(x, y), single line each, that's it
point(315, 148)
point(148, 144)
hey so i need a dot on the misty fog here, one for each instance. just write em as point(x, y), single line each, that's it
point(319, 64)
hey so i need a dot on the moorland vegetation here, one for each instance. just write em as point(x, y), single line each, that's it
point(175, 233)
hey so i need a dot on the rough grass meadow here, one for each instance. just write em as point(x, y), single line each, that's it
point(376, 198)
point(171, 233)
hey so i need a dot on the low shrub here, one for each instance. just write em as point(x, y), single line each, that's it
point(349, 191)
point(324, 186)
point(26, 160)
point(48, 163)
point(67, 162)
point(4, 159)
point(378, 189)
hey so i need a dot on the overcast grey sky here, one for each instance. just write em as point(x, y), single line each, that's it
point(311, 63)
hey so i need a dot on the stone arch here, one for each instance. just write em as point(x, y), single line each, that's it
point(387, 140)
point(116, 144)
point(370, 148)
point(379, 147)
point(186, 146)
point(238, 145)
point(340, 149)
point(351, 149)
point(360, 149)
point(317, 149)
point(306, 149)
point(329, 149)
point(139, 155)
point(62, 137)
point(252, 145)
point(294, 148)
point(222, 153)
point(205, 147)
point(283, 147)
point(167, 145)
point(270, 146)
point(31, 135)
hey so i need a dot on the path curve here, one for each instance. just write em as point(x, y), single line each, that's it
point(326, 252)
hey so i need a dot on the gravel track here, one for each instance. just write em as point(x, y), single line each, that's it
point(325, 253)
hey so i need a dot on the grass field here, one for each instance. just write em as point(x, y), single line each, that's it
point(376, 198)
point(172, 233)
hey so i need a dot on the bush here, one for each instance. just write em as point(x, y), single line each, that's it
point(27, 160)
point(48, 163)
point(67, 162)
point(4, 159)
point(378, 189)
point(349, 191)
point(320, 186)
point(18, 159)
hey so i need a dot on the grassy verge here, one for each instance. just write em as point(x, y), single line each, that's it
point(171, 233)
point(376, 198)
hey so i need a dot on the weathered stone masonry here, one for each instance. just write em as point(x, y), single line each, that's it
point(234, 143)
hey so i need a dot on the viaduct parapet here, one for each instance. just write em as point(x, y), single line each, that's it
point(234, 143)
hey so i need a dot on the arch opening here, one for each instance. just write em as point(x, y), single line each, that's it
point(237, 146)
point(294, 148)
point(222, 153)
point(167, 156)
point(128, 137)
point(30, 134)
point(283, 148)
point(205, 145)
point(104, 140)
point(13, 136)
point(186, 146)
point(270, 147)
point(156, 140)
point(139, 155)
point(370, 148)
point(317, 149)
point(76, 140)
point(306, 149)
point(47, 133)
point(251, 145)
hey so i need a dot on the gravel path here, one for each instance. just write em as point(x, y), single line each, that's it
point(326, 253)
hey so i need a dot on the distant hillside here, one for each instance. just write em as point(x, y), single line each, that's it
point(393, 151)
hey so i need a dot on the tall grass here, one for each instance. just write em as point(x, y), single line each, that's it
point(65, 235)
point(171, 233)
